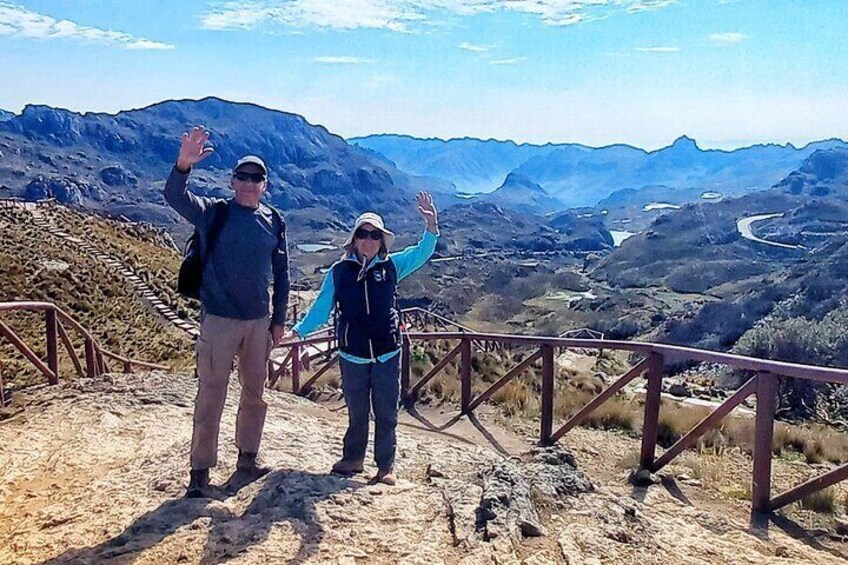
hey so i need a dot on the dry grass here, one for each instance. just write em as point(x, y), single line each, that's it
point(817, 443)
point(675, 421)
point(629, 461)
point(822, 501)
point(145, 248)
point(101, 300)
point(709, 467)
point(614, 415)
point(517, 398)
point(740, 492)
point(446, 387)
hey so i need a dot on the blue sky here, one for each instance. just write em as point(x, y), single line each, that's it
point(726, 72)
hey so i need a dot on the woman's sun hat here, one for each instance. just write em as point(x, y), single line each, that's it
point(375, 220)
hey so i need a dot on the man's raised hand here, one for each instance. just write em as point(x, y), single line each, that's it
point(193, 148)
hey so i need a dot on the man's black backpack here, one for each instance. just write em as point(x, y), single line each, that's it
point(191, 269)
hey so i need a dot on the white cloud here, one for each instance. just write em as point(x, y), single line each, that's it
point(475, 48)
point(657, 49)
point(17, 21)
point(343, 60)
point(407, 15)
point(645, 5)
point(728, 38)
point(512, 61)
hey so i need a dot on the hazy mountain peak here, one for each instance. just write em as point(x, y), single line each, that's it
point(685, 142)
point(517, 180)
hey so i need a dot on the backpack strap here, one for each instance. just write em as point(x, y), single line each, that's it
point(279, 218)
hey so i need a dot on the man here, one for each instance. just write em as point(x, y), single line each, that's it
point(362, 287)
point(247, 255)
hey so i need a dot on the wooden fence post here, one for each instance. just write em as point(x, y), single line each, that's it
point(90, 359)
point(295, 361)
point(2, 389)
point(652, 411)
point(763, 436)
point(547, 419)
point(52, 344)
point(465, 374)
point(405, 360)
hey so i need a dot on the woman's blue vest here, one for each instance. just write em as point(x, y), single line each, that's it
point(367, 315)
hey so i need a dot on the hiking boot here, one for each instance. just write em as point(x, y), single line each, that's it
point(251, 463)
point(198, 484)
point(385, 476)
point(348, 467)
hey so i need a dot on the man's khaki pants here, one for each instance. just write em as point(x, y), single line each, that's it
point(219, 342)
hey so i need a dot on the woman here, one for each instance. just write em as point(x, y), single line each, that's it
point(363, 288)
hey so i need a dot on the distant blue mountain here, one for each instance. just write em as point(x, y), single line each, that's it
point(584, 179)
point(519, 193)
point(6, 115)
point(578, 175)
point(472, 165)
point(823, 174)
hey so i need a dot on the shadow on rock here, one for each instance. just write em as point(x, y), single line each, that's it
point(285, 496)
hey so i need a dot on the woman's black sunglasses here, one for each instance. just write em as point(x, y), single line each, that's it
point(376, 235)
point(254, 177)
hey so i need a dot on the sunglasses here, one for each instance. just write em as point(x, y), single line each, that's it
point(376, 235)
point(252, 177)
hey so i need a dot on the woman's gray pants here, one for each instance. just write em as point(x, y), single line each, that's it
point(367, 386)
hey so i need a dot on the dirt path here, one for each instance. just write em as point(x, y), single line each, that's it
point(94, 471)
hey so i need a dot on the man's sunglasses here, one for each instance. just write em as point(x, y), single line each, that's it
point(376, 235)
point(253, 177)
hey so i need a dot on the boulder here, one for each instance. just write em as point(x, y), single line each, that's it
point(513, 488)
point(117, 176)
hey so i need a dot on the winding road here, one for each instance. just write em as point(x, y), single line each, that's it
point(743, 225)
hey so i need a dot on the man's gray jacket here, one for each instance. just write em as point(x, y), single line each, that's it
point(250, 255)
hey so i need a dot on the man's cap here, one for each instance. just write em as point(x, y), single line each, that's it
point(251, 159)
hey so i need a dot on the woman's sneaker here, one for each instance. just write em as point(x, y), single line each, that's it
point(385, 476)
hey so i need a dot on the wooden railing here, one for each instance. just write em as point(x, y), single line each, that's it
point(97, 359)
point(763, 385)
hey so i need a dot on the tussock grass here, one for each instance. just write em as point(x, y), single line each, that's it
point(100, 300)
point(822, 501)
point(629, 461)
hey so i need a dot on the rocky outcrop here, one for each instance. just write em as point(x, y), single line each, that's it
point(107, 486)
point(66, 190)
point(117, 176)
point(513, 490)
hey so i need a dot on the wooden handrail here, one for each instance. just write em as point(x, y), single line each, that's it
point(55, 321)
point(764, 384)
point(797, 370)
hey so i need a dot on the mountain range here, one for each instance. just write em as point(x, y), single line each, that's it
point(118, 162)
point(798, 259)
point(578, 175)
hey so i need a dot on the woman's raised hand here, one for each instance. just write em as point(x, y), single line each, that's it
point(427, 209)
